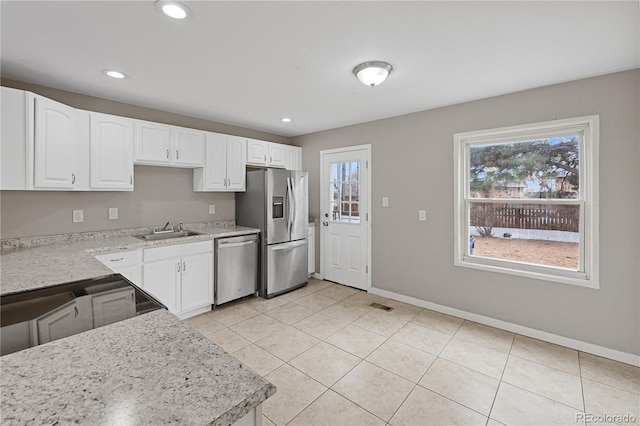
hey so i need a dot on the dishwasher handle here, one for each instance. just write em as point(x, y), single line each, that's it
point(225, 244)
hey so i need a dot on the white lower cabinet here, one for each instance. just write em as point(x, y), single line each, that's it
point(180, 276)
point(56, 324)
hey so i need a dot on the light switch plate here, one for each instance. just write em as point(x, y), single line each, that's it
point(78, 216)
point(113, 213)
point(422, 215)
point(212, 209)
point(385, 201)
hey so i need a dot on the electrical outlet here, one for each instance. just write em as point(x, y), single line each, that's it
point(422, 215)
point(212, 209)
point(113, 213)
point(385, 201)
point(78, 216)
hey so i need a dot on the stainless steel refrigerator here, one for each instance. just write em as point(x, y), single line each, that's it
point(276, 202)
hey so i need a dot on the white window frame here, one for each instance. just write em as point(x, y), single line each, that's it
point(588, 271)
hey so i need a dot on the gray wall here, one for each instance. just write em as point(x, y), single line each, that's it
point(412, 164)
point(160, 194)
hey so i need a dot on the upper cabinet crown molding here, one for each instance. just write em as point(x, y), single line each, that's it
point(158, 144)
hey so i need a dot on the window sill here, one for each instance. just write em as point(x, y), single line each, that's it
point(567, 277)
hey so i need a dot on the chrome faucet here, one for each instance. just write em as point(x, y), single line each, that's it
point(166, 225)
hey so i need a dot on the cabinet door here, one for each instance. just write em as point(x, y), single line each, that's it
point(161, 279)
point(133, 274)
point(236, 163)
point(294, 158)
point(111, 152)
point(277, 155)
point(13, 134)
point(257, 152)
point(188, 147)
point(215, 167)
point(197, 281)
point(152, 142)
point(54, 145)
point(57, 324)
point(113, 306)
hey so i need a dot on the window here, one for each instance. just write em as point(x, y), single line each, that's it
point(345, 192)
point(527, 200)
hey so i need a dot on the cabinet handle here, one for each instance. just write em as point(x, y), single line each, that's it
point(270, 159)
point(179, 266)
point(76, 309)
point(265, 157)
point(117, 260)
point(167, 153)
point(226, 183)
point(184, 266)
point(73, 178)
point(177, 154)
point(130, 179)
point(133, 298)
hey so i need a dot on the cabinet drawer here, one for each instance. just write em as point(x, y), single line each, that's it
point(120, 259)
point(176, 251)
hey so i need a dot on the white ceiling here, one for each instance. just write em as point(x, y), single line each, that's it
point(251, 63)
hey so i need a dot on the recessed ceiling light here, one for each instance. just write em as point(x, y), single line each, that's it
point(372, 73)
point(115, 74)
point(173, 9)
point(286, 120)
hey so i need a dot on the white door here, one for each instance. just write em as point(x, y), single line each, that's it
point(54, 145)
point(344, 221)
point(111, 152)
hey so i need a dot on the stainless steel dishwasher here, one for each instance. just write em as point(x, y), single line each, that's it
point(236, 266)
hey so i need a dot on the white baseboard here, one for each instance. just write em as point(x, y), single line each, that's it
point(317, 276)
point(579, 345)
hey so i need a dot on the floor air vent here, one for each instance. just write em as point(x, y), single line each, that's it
point(383, 307)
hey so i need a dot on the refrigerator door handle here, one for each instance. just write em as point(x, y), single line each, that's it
point(289, 246)
point(291, 201)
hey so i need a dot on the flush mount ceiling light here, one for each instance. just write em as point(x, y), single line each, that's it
point(173, 9)
point(286, 120)
point(372, 73)
point(115, 74)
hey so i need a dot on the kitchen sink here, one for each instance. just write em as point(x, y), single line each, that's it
point(166, 235)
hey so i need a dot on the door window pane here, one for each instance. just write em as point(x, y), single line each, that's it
point(345, 188)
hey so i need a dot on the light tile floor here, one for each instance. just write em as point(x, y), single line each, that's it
point(337, 361)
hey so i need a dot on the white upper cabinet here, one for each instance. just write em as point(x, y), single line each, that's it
point(152, 143)
point(188, 147)
point(16, 170)
point(263, 153)
point(236, 163)
point(111, 149)
point(225, 163)
point(257, 152)
point(293, 158)
point(159, 144)
point(54, 145)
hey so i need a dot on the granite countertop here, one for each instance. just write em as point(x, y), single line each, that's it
point(67, 261)
point(151, 369)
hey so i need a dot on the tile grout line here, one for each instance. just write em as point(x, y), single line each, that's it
point(501, 377)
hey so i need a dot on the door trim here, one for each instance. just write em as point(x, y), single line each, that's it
point(323, 177)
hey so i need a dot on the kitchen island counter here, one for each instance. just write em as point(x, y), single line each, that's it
point(151, 369)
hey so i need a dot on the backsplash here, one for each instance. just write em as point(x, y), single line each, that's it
point(161, 194)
